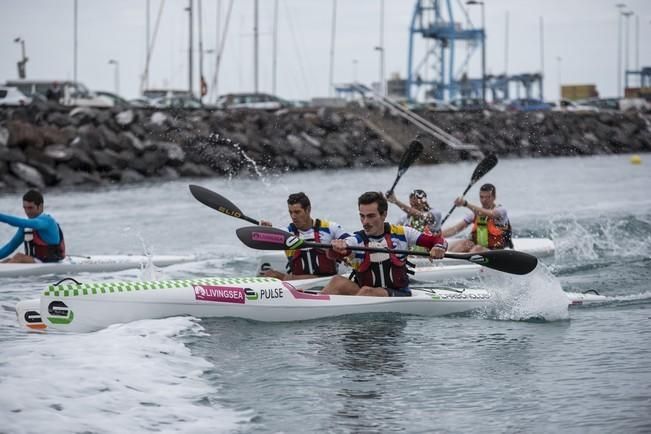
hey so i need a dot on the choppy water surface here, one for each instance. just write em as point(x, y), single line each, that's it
point(525, 364)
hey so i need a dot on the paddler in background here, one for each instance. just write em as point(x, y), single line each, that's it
point(379, 274)
point(418, 214)
point(40, 234)
point(310, 262)
point(491, 228)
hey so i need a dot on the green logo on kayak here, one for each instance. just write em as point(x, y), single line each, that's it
point(60, 313)
point(250, 294)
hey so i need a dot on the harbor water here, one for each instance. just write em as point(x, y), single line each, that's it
point(527, 363)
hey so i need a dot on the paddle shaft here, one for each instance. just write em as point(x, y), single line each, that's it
point(410, 155)
point(454, 206)
point(373, 249)
point(243, 217)
point(267, 238)
point(394, 184)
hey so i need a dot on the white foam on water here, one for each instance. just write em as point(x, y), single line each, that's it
point(534, 296)
point(126, 378)
point(573, 240)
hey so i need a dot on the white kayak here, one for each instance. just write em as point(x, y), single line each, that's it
point(427, 271)
point(93, 306)
point(94, 263)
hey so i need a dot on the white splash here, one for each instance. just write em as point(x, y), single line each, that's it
point(535, 296)
point(252, 163)
point(148, 271)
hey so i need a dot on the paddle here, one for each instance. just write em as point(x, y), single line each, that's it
point(482, 169)
point(267, 238)
point(220, 203)
point(411, 154)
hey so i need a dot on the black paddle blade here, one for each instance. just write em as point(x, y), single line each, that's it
point(218, 202)
point(268, 238)
point(507, 261)
point(412, 153)
point(484, 167)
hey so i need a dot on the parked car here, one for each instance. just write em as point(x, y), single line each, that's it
point(527, 105)
point(11, 96)
point(566, 105)
point(140, 102)
point(74, 93)
point(438, 105)
point(470, 104)
point(178, 102)
point(601, 103)
point(261, 101)
point(116, 99)
point(156, 94)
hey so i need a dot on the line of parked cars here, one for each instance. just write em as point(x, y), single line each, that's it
point(533, 104)
point(23, 92)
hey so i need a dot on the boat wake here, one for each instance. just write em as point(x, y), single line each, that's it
point(592, 298)
point(134, 377)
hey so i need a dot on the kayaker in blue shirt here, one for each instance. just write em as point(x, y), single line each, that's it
point(39, 233)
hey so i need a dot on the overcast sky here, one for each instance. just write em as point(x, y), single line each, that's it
point(582, 33)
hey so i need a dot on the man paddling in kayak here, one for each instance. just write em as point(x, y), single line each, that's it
point(307, 263)
point(418, 214)
point(491, 228)
point(40, 234)
point(380, 274)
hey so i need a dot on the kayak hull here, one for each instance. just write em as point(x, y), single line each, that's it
point(84, 308)
point(89, 307)
point(94, 263)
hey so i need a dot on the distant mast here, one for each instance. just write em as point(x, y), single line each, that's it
point(255, 46)
point(331, 85)
point(190, 59)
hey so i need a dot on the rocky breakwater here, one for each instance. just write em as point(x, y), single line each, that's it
point(49, 145)
point(549, 134)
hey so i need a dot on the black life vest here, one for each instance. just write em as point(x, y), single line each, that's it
point(390, 273)
point(311, 261)
point(39, 249)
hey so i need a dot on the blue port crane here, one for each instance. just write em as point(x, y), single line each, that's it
point(441, 73)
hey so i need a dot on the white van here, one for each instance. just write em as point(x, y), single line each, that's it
point(74, 93)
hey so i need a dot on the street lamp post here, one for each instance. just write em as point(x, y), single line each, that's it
point(626, 15)
point(116, 75)
point(381, 78)
point(619, 6)
point(190, 49)
point(22, 73)
point(483, 47)
point(380, 48)
point(559, 59)
point(354, 71)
